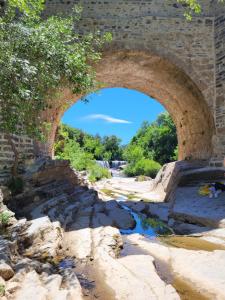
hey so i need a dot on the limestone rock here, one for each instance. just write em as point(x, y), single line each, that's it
point(78, 241)
point(32, 288)
point(159, 210)
point(112, 204)
point(53, 284)
point(88, 198)
point(121, 218)
point(138, 206)
point(72, 285)
point(190, 206)
point(143, 267)
point(99, 207)
point(203, 271)
point(45, 237)
point(12, 287)
point(101, 219)
point(6, 272)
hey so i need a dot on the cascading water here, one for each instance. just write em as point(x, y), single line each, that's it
point(114, 166)
point(103, 163)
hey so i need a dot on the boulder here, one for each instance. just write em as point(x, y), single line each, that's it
point(44, 236)
point(88, 198)
point(99, 207)
point(139, 206)
point(121, 218)
point(112, 204)
point(101, 219)
point(6, 272)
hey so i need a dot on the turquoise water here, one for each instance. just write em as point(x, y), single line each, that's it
point(140, 227)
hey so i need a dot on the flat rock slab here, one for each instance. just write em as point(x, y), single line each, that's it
point(143, 267)
point(203, 271)
point(78, 241)
point(189, 206)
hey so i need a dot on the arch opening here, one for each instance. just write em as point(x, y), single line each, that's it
point(161, 80)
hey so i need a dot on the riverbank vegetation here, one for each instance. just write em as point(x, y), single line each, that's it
point(153, 145)
point(84, 149)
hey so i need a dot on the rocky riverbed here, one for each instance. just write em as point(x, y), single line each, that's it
point(65, 240)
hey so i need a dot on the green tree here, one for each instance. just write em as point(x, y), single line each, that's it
point(112, 147)
point(157, 140)
point(133, 153)
point(93, 145)
point(40, 57)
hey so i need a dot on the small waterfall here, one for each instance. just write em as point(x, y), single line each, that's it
point(103, 163)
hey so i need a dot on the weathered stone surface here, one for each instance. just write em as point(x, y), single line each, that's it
point(77, 237)
point(6, 272)
point(197, 209)
point(159, 210)
point(32, 288)
point(204, 271)
point(143, 267)
point(45, 237)
point(121, 218)
point(101, 219)
point(132, 277)
point(99, 207)
point(138, 206)
point(12, 287)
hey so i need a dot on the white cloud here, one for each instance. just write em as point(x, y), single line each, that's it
point(106, 118)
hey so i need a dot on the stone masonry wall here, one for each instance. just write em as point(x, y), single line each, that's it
point(25, 147)
point(219, 109)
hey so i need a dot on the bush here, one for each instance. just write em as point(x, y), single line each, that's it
point(144, 166)
point(4, 218)
point(96, 172)
point(78, 158)
point(2, 290)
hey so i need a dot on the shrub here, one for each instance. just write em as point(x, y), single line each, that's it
point(96, 172)
point(144, 166)
point(4, 218)
point(79, 159)
point(2, 290)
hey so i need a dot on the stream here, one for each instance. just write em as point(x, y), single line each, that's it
point(149, 227)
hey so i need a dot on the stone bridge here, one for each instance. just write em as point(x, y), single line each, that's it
point(155, 50)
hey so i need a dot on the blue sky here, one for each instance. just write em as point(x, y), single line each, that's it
point(116, 111)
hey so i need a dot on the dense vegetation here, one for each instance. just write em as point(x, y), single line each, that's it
point(39, 58)
point(153, 145)
point(83, 149)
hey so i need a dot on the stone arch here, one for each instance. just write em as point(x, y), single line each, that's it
point(163, 81)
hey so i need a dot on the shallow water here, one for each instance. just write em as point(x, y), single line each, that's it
point(190, 243)
point(139, 227)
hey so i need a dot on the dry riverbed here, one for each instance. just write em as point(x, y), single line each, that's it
point(72, 242)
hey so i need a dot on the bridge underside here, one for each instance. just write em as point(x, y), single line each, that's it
point(156, 77)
